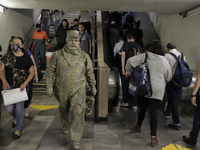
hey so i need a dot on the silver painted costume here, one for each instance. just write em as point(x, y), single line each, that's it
point(67, 72)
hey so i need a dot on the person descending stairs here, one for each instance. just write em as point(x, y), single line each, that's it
point(40, 87)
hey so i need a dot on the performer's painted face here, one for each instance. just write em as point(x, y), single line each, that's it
point(72, 43)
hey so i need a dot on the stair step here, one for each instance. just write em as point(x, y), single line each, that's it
point(38, 91)
point(36, 84)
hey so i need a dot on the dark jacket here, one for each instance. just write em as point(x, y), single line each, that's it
point(61, 34)
point(74, 28)
point(138, 34)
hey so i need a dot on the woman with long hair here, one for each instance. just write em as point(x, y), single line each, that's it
point(16, 71)
point(61, 34)
point(160, 73)
point(30, 84)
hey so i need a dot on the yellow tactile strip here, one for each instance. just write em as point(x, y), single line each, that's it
point(44, 107)
point(173, 147)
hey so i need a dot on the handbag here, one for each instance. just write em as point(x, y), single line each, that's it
point(140, 83)
point(13, 96)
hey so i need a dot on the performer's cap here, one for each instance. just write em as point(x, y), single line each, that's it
point(73, 34)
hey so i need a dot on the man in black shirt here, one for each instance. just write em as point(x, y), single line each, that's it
point(129, 49)
point(75, 26)
point(114, 21)
point(137, 33)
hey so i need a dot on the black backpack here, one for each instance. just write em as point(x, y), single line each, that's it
point(131, 51)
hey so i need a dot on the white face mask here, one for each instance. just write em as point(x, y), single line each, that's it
point(72, 43)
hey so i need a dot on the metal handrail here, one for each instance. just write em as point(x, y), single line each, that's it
point(93, 41)
point(26, 38)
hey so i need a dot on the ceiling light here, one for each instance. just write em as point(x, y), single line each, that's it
point(2, 9)
point(191, 12)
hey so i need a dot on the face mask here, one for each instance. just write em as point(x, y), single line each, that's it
point(16, 47)
point(38, 30)
point(76, 26)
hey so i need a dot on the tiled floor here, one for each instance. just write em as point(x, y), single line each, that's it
point(42, 131)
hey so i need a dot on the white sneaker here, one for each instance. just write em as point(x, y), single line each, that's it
point(26, 112)
point(134, 108)
point(124, 104)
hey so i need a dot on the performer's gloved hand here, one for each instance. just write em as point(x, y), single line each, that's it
point(93, 89)
point(50, 92)
point(49, 47)
point(32, 47)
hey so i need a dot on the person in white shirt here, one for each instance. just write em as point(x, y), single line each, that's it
point(160, 74)
point(117, 53)
point(46, 20)
point(172, 89)
point(58, 14)
point(85, 17)
point(118, 46)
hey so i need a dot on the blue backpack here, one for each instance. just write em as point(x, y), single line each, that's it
point(140, 83)
point(182, 76)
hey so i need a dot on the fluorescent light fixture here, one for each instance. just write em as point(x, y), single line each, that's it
point(7, 3)
point(2, 9)
point(191, 12)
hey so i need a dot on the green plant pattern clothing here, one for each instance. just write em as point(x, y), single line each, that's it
point(68, 72)
point(16, 73)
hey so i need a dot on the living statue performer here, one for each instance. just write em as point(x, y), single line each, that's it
point(67, 72)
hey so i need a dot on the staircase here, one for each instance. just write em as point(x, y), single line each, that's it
point(40, 87)
point(70, 15)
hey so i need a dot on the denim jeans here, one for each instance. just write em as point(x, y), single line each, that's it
point(39, 54)
point(56, 24)
point(196, 123)
point(46, 25)
point(16, 110)
point(114, 35)
point(127, 97)
point(172, 107)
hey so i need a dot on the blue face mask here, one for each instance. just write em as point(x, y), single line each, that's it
point(16, 47)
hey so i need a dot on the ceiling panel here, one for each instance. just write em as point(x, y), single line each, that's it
point(163, 6)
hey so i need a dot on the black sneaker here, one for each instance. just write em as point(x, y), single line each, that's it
point(16, 137)
point(123, 104)
point(186, 140)
point(176, 127)
point(13, 125)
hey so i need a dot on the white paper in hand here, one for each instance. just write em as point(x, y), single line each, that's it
point(14, 96)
